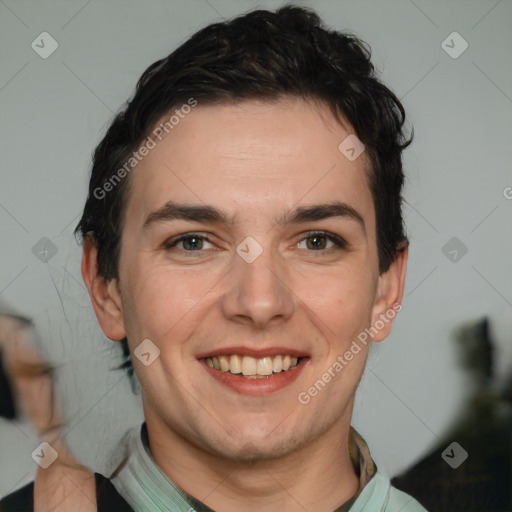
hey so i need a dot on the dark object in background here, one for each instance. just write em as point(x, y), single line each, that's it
point(26, 379)
point(7, 406)
point(483, 482)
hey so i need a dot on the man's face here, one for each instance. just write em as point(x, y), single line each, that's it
point(303, 296)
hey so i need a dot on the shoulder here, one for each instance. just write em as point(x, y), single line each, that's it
point(379, 494)
point(400, 501)
point(107, 498)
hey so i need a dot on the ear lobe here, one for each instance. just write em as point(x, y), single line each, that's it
point(390, 292)
point(105, 296)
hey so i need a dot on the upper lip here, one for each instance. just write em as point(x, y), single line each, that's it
point(257, 353)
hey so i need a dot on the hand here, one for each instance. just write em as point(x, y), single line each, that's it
point(65, 485)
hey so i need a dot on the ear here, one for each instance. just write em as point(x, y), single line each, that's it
point(105, 296)
point(390, 290)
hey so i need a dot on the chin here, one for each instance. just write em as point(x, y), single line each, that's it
point(251, 453)
point(252, 449)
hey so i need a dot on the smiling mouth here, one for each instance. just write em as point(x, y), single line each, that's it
point(253, 368)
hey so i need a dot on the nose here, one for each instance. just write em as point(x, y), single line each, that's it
point(259, 292)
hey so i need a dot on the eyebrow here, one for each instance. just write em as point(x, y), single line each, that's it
point(209, 214)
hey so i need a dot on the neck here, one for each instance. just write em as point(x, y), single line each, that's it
point(316, 477)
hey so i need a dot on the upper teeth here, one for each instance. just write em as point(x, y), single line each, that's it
point(247, 365)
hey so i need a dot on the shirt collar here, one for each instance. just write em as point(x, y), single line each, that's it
point(146, 488)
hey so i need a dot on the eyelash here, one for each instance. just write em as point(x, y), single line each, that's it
point(338, 241)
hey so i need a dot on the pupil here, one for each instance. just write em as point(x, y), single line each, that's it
point(314, 241)
point(193, 245)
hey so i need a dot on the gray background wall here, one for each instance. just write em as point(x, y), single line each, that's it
point(54, 110)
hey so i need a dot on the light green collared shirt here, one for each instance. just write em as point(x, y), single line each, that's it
point(146, 488)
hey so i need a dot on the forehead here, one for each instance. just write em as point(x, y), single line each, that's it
point(250, 158)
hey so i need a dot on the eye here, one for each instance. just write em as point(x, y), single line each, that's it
point(191, 242)
point(317, 241)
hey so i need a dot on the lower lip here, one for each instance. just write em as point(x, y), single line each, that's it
point(256, 387)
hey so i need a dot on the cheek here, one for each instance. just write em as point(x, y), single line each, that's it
point(162, 301)
point(343, 301)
